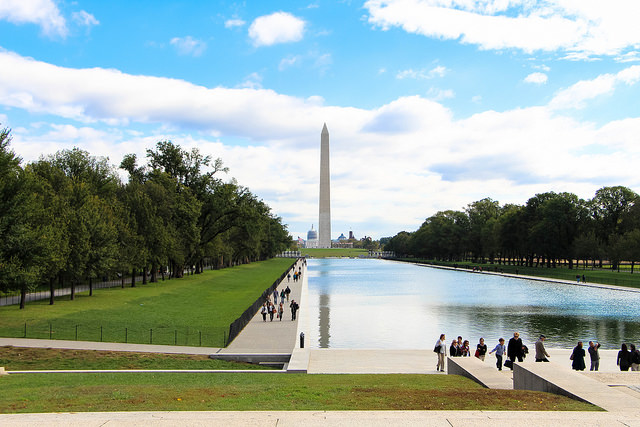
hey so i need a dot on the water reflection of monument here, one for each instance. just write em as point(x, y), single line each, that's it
point(324, 321)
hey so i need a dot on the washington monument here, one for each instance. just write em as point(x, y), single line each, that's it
point(324, 224)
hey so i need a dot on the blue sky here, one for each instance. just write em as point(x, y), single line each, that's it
point(430, 104)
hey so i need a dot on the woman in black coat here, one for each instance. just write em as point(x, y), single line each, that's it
point(515, 349)
point(624, 358)
point(578, 357)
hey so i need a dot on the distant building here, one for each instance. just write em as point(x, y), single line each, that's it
point(312, 238)
point(351, 237)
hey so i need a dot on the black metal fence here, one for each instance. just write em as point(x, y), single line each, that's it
point(242, 321)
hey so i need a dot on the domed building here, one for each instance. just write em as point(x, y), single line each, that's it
point(312, 238)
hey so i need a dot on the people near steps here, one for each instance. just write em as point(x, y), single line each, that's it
point(635, 358)
point(454, 349)
point(441, 347)
point(466, 351)
point(541, 352)
point(515, 349)
point(594, 355)
point(577, 356)
point(500, 350)
point(272, 311)
point(280, 310)
point(624, 358)
point(481, 349)
point(263, 311)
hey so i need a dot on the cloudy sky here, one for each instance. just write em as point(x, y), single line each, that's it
point(430, 104)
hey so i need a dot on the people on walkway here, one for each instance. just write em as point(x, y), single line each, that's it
point(624, 358)
point(454, 349)
point(594, 355)
point(466, 351)
point(272, 311)
point(481, 349)
point(280, 310)
point(294, 308)
point(263, 311)
point(500, 351)
point(441, 349)
point(577, 356)
point(287, 292)
point(515, 349)
point(275, 296)
point(541, 352)
point(635, 357)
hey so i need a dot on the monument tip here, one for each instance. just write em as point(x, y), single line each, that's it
point(324, 129)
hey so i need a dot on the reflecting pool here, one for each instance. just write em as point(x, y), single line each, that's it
point(364, 303)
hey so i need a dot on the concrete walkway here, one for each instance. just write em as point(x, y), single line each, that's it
point(277, 336)
point(324, 418)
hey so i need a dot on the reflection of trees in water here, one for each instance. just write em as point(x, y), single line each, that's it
point(324, 322)
point(530, 321)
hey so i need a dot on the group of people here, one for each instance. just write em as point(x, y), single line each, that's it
point(515, 350)
point(271, 306)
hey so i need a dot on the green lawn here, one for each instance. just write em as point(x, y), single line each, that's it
point(194, 310)
point(595, 275)
point(39, 359)
point(334, 252)
point(261, 392)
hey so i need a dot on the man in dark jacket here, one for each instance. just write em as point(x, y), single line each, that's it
point(515, 349)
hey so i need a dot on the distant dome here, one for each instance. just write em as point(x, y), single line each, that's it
point(312, 234)
point(342, 237)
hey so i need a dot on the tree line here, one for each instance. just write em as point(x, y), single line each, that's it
point(69, 218)
point(550, 228)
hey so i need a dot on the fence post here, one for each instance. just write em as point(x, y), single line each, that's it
point(76, 332)
point(150, 336)
point(49, 330)
point(200, 332)
point(25, 329)
point(175, 337)
point(100, 333)
point(126, 335)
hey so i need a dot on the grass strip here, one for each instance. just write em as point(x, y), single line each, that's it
point(195, 310)
point(35, 359)
point(595, 275)
point(241, 392)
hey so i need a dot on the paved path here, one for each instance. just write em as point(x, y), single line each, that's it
point(325, 418)
point(273, 336)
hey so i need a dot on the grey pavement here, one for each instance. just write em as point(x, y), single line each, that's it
point(277, 336)
point(324, 418)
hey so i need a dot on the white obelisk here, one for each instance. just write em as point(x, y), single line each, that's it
point(324, 225)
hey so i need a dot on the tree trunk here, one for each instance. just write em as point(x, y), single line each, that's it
point(73, 290)
point(122, 274)
point(90, 286)
point(154, 271)
point(144, 275)
point(51, 290)
point(133, 278)
point(23, 297)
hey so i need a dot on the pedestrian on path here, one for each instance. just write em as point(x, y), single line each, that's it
point(515, 349)
point(275, 296)
point(287, 292)
point(595, 355)
point(500, 351)
point(578, 357)
point(635, 358)
point(541, 352)
point(280, 310)
point(481, 349)
point(263, 311)
point(294, 308)
point(441, 349)
point(289, 277)
point(624, 358)
point(272, 312)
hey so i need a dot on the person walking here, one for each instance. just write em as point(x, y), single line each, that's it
point(500, 351)
point(515, 349)
point(594, 355)
point(441, 349)
point(578, 357)
point(294, 308)
point(272, 312)
point(263, 311)
point(635, 358)
point(454, 350)
point(287, 292)
point(541, 352)
point(624, 358)
point(481, 349)
point(280, 310)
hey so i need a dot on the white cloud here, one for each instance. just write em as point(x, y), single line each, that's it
point(289, 61)
point(536, 78)
point(436, 94)
point(576, 95)
point(189, 46)
point(431, 159)
point(85, 19)
point(423, 74)
point(279, 27)
point(252, 81)
point(233, 23)
point(44, 13)
point(579, 28)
